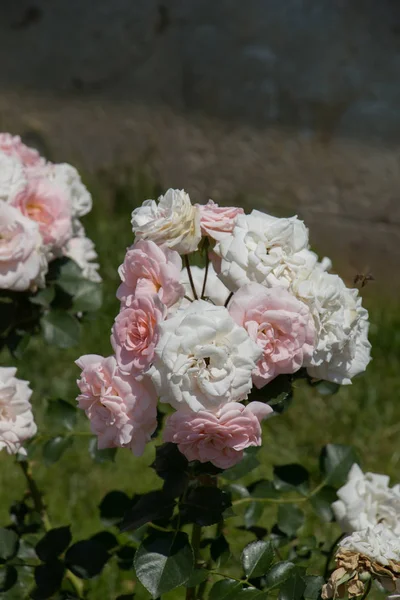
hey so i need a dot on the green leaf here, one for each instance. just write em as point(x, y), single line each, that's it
point(278, 393)
point(253, 514)
point(164, 562)
point(61, 415)
point(314, 585)
point(205, 505)
point(55, 448)
point(226, 589)
point(336, 461)
point(8, 577)
point(70, 277)
point(149, 507)
point(53, 543)
point(60, 329)
point(86, 558)
point(293, 587)
point(114, 506)
point(278, 574)
point(219, 550)
point(9, 544)
point(106, 539)
point(327, 388)
point(197, 576)
point(44, 297)
point(126, 555)
point(322, 503)
point(248, 463)
point(263, 489)
point(48, 579)
point(257, 557)
point(88, 297)
point(290, 518)
point(291, 477)
point(101, 456)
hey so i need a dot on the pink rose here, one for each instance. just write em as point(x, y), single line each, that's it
point(22, 262)
point(49, 206)
point(135, 333)
point(122, 411)
point(148, 269)
point(218, 221)
point(280, 324)
point(13, 146)
point(219, 438)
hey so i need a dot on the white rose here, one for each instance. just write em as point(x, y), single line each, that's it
point(378, 543)
point(81, 249)
point(22, 262)
point(342, 349)
point(174, 221)
point(367, 500)
point(263, 249)
point(203, 359)
point(68, 178)
point(215, 290)
point(16, 418)
point(12, 176)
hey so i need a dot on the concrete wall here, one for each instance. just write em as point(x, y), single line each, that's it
point(294, 103)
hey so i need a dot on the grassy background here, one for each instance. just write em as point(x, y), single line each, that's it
point(366, 414)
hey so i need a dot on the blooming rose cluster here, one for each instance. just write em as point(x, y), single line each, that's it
point(40, 207)
point(16, 418)
point(199, 339)
point(369, 510)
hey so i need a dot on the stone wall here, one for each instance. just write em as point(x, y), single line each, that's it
point(292, 103)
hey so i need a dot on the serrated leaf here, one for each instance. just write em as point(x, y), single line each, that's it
point(253, 514)
point(263, 489)
point(336, 461)
point(248, 463)
point(198, 576)
point(278, 574)
point(290, 518)
point(257, 557)
point(226, 589)
point(60, 329)
point(86, 558)
point(322, 503)
point(55, 448)
point(205, 505)
point(53, 543)
point(163, 562)
point(101, 456)
point(149, 507)
point(291, 477)
point(293, 587)
point(44, 297)
point(88, 297)
point(70, 277)
point(9, 543)
point(48, 579)
point(313, 588)
point(61, 415)
point(8, 577)
point(114, 506)
point(219, 550)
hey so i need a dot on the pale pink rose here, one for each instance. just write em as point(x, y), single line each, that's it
point(218, 221)
point(122, 411)
point(135, 333)
point(13, 146)
point(280, 324)
point(22, 262)
point(220, 437)
point(49, 206)
point(149, 269)
point(16, 419)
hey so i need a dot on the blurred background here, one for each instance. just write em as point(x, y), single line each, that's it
point(291, 106)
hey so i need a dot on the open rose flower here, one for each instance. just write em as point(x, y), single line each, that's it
point(12, 176)
point(67, 178)
point(148, 269)
point(220, 437)
point(16, 418)
point(135, 333)
point(12, 145)
point(218, 221)
point(81, 250)
point(48, 205)
point(280, 324)
point(367, 500)
point(122, 411)
point(174, 221)
point(262, 249)
point(203, 359)
point(22, 262)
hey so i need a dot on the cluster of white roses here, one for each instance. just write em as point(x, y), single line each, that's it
point(369, 510)
point(16, 419)
point(199, 339)
point(40, 207)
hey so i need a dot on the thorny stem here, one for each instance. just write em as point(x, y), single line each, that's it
point(37, 498)
point(189, 272)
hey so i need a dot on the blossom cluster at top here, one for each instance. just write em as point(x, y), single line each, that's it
point(199, 339)
point(369, 510)
point(40, 207)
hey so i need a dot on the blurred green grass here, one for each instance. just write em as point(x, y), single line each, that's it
point(366, 414)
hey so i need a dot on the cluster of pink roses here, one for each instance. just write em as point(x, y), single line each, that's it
point(199, 339)
point(40, 207)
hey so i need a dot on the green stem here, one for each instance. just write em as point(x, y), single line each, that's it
point(330, 555)
point(243, 581)
point(203, 291)
point(195, 541)
point(189, 272)
point(367, 589)
point(281, 500)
